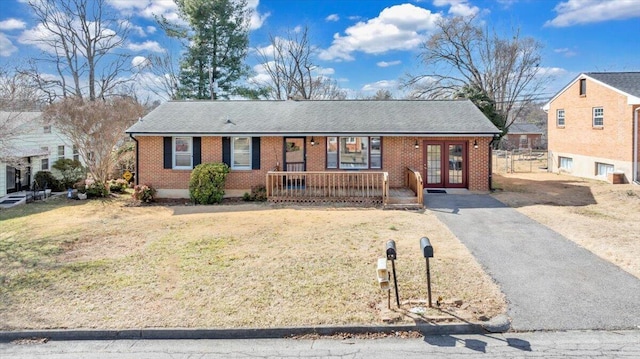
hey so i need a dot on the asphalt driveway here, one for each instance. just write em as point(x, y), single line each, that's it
point(550, 282)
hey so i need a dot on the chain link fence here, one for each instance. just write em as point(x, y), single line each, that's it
point(519, 161)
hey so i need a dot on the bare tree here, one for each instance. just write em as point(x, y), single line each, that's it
point(164, 81)
point(292, 74)
point(80, 39)
point(96, 128)
point(18, 91)
point(462, 55)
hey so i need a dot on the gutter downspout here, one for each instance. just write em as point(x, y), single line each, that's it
point(635, 146)
point(137, 174)
point(495, 137)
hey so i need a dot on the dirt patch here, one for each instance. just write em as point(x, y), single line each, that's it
point(106, 264)
point(602, 217)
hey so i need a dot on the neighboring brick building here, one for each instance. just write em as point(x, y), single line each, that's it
point(522, 136)
point(448, 141)
point(593, 127)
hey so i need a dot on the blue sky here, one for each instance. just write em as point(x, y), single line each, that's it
point(371, 45)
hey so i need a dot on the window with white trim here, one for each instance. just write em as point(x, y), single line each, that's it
point(603, 169)
point(60, 152)
point(241, 153)
point(44, 163)
point(560, 118)
point(76, 153)
point(598, 117)
point(565, 163)
point(47, 129)
point(182, 153)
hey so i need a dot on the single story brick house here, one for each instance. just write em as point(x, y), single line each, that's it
point(445, 142)
point(522, 136)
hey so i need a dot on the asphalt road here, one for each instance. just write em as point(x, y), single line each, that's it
point(580, 344)
point(550, 282)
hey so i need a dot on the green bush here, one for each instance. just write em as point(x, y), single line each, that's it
point(144, 193)
point(46, 178)
point(71, 171)
point(96, 190)
point(258, 193)
point(118, 185)
point(206, 185)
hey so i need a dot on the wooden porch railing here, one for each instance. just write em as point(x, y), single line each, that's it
point(343, 186)
point(414, 182)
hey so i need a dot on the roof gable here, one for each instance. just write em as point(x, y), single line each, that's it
point(625, 83)
point(394, 117)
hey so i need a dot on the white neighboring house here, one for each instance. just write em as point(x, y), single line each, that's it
point(35, 147)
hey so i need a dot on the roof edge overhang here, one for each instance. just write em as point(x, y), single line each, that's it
point(631, 100)
point(321, 134)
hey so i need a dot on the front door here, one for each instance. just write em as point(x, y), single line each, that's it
point(294, 159)
point(445, 164)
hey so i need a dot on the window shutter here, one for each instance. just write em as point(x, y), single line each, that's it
point(255, 154)
point(197, 151)
point(226, 150)
point(168, 155)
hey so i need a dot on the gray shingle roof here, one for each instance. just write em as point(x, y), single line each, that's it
point(628, 82)
point(524, 128)
point(315, 118)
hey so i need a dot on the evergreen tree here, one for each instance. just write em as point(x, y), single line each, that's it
point(217, 40)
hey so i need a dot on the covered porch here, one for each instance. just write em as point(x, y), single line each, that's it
point(354, 187)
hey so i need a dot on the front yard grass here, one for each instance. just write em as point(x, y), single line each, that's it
point(107, 264)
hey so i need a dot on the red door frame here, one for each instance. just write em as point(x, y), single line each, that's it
point(444, 164)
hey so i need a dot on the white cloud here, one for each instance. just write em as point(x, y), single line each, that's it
point(566, 52)
point(147, 8)
point(12, 24)
point(458, 7)
point(575, 12)
point(551, 71)
point(325, 71)
point(140, 62)
point(40, 37)
point(153, 46)
point(332, 17)
point(380, 85)
point(400, 27)
point(6, 46)
point(388, 63)
point(151, 29)
point(257, 19)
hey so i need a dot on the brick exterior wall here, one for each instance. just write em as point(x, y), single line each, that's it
point(397, 154)
point(580, 140)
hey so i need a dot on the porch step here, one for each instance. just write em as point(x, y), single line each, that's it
point(402, 200)
point(403, 206)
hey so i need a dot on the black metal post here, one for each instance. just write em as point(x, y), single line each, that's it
point(395, 282)
point(428, 281)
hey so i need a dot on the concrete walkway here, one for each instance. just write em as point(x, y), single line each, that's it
point(550, 282)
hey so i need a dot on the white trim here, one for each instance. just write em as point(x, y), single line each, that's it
point(631, 100)
point(174, 152)
point(233, 151)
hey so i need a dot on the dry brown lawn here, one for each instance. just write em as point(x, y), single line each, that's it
point(107, 264)
point(602, 217)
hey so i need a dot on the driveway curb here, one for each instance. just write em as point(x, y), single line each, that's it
point(494, 326)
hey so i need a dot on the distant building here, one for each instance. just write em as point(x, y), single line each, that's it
point(523, 136)
point(35, 147)
point(593, 126)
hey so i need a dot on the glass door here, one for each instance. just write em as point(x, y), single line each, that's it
point(445, 164)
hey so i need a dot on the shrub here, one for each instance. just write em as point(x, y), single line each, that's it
point(95, 189)
point(144, 193)
point(206, 185)
point(46, 178)
point(118, 185)
point(71, 171)
point(258, 193)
